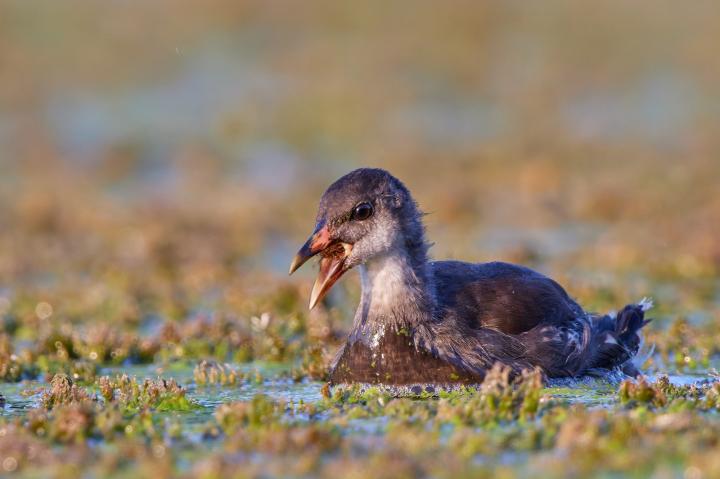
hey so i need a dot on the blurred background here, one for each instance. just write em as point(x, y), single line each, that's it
point(158, 158)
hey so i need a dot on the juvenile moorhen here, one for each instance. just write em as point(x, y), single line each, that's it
point(423, 322)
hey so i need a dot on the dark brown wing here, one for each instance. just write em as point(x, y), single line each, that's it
point(501, 296)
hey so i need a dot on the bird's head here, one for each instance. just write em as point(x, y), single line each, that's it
point(365, 214)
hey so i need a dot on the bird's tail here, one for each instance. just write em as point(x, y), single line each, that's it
point(616, 339)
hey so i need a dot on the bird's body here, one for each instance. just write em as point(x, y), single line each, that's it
point(425, 323)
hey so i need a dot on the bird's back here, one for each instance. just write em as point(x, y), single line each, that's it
point(501, 296)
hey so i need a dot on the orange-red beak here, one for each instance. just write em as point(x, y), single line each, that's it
point(332, 261)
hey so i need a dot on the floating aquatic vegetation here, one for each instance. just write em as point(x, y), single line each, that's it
point(260, 411)
point(209, 372)
point(712, 397)
point(499, 398)
point(132, 395)
point(687, 346)
point(12, 367)
point(66, 422)
point(80, 370)
point(64, 391)
point(70, 413)
point(100, 344)
point(314, 364)
point(663, 394)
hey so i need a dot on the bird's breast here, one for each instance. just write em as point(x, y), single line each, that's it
point(391, 357)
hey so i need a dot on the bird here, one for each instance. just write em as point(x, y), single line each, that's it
point(424, 324)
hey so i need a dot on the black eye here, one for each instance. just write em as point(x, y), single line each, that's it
point(362, 211)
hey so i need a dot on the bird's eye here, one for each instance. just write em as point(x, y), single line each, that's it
point(362, 211)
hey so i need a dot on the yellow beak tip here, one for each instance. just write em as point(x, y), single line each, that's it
point(296, 263)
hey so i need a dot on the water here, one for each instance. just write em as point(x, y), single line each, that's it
point(20, 397)
point(25, 395)
point(275, 385)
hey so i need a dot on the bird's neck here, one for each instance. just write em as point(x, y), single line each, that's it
point(397, 292)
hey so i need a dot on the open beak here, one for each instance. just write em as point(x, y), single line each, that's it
point(332, 261)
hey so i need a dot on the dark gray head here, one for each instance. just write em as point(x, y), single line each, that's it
point(365, 214)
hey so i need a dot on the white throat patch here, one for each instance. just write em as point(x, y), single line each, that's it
point(384, 281)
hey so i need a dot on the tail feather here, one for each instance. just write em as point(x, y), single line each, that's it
point(629, 321)
point(617, 340)
point(589, 345)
